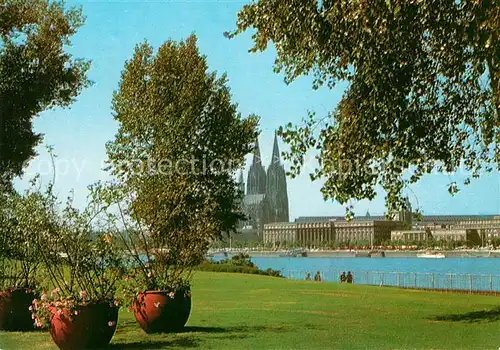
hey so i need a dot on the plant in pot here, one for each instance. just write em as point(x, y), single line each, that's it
point(19, 263)
point(156, 286)
point(179, 145)
point(84, 267)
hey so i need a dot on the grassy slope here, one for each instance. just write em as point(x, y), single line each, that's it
point(248, 312)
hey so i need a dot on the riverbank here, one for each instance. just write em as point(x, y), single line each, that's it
point(471, 253)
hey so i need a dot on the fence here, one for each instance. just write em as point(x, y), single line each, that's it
point(414, 280)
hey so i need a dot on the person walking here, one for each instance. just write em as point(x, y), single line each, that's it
point(342, 277)
point(308, 277)
point(317, 277)
point(350, 277)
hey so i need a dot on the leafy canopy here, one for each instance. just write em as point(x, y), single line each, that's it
point(423, 87)
point(179, 144)
point(36, 73)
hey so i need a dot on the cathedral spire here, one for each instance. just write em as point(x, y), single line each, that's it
point(256, 183)
point(276, 151)
point(256, 153)
point(276, 189)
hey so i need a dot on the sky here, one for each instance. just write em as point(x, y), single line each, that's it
point(112, 30)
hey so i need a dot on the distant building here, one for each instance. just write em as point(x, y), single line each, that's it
point(445, 221)
point(475, 229)
point(266, 196)
point(280, 233)
point(478, 230)
point(316, 231)
point(373, 232)
point(458, 235)
point(410, 235)
point(487, 229)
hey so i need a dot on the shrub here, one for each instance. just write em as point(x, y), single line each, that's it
point(221, 266)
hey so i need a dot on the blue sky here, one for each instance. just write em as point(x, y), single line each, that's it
point(111, 31)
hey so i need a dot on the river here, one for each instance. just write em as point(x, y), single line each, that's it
point(475, 274)
point(442, 266)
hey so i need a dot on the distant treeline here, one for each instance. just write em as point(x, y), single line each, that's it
point(239, 263)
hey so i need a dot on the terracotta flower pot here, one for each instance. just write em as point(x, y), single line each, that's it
point(14, 310)
point(162, 311)
point(92, 327)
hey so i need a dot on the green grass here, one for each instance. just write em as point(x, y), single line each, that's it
point(233, 311)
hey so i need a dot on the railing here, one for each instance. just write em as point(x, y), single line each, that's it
point(415, 280)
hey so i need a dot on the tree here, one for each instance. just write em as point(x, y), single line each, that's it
point(36, 73)
point(423, 88)
point(179, 144)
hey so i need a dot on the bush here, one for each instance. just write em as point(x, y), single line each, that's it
point(221, 266)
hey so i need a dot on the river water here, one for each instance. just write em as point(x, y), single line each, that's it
point(441, 266)
point(479, 274)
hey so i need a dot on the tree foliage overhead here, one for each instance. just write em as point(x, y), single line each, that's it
point(423, 87)
point(179, 143)
point(36, 73)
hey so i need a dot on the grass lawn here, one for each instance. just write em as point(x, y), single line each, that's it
point(236, 311)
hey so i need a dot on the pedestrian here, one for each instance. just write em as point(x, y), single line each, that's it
point(342, 277)
point(308, 277)
point(317, 277)
point(350, 277)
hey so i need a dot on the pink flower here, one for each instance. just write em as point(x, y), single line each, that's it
point(55, 291)
point(171, 295)
point(43, 297)
point(30, 308)
point(111, 323)
point(150, 274)
point(76, 313)
point(83, 294)
point(108, 237)
point(117, 303)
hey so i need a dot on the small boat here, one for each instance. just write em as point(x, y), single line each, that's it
point(292, 253)
point(431, 255)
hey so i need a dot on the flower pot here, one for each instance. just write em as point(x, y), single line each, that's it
point(162, 311)
point(91, 328)
point(14, 310)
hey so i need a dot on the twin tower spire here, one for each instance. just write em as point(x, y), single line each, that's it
point(268, 189)
point(276, 153)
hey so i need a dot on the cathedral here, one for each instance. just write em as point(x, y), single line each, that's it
point(266, 197)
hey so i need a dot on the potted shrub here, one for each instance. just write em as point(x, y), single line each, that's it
point(19, 263)
point(156, 286)
point(175, 156)
point(17, 292)
point(84, 268)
